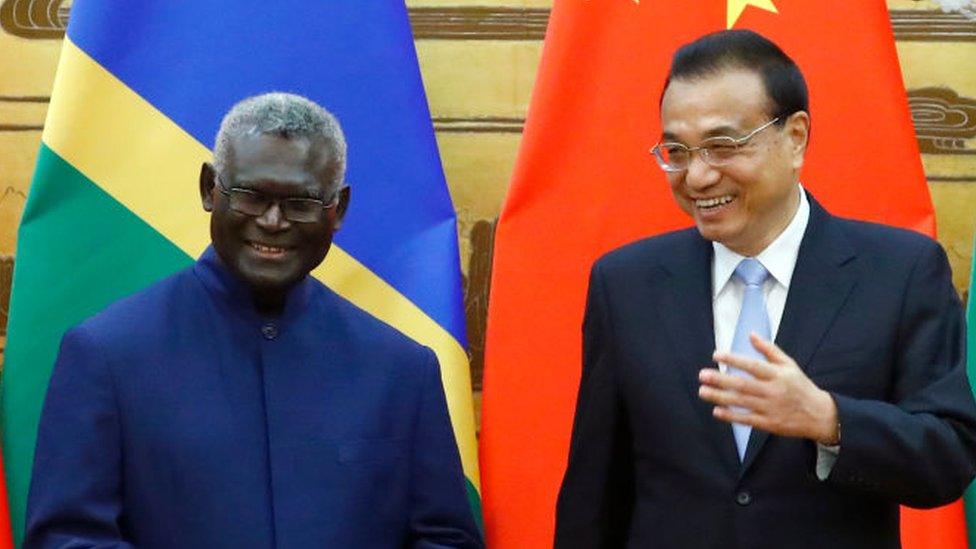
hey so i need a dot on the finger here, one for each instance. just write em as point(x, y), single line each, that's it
point(745, 417)
point(731, 382)
point(758, 368)
point(770, 350)
point(726, 398)
point(753, 419)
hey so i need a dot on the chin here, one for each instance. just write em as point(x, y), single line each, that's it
point(710, 233)
point(722, 233)
point(277, 284)
point(270, 282)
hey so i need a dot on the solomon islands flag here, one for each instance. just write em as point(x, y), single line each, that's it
point(114, 204)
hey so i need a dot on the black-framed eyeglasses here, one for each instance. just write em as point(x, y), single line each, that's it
point(715, 151)
point(295, 209)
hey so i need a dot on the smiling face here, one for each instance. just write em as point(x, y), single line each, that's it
point(269, 252)
point(748, 202)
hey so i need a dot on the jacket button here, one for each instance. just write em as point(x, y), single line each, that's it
point(269, 331)
point(743, 498)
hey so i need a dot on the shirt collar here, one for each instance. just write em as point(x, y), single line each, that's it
point(779, 257)
point(220, 281)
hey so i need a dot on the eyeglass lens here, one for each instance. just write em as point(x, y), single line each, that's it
point(301, 210)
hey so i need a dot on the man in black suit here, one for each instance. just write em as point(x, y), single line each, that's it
point(692, 428)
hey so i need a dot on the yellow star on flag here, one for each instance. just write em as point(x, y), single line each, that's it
point(736, 7)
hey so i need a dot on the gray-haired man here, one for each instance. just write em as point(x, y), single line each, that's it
point(240, 403)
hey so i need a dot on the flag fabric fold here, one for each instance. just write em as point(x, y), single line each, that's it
point(584, 178)
point(970, 496)
point(113, 206)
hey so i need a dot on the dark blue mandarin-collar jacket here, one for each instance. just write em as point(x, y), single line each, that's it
point(180, 417)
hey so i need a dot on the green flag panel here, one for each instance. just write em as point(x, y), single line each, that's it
point(73, 235)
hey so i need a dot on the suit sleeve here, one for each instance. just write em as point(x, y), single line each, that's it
point(75, 493)
point(920, 449)
point(440, 514)
point(596, 497)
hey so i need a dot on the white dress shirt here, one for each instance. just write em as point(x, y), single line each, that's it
point(779, 258)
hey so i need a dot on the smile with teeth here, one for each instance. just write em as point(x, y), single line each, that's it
point(267, 250)
point(713, 202)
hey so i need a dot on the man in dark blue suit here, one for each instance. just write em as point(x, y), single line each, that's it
point(240, 403)
point(861, 404)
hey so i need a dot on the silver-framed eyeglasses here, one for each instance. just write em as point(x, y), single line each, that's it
point(255, 204)
point(715, 151)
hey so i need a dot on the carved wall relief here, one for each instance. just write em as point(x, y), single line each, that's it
point(944, 121)
point(34, 18)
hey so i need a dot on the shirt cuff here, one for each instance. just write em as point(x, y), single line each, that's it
point(826, 458)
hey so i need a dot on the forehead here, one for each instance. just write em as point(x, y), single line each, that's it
point(730, 100)
point(263, 156)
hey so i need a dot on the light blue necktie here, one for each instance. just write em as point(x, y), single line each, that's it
point(752, 318)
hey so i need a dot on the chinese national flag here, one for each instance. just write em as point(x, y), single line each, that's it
point(6, 539)
point(584, 183)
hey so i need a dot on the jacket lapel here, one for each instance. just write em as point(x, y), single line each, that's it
point(822, 280)
point(689, 320)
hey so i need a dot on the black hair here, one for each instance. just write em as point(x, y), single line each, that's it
point(744, 49)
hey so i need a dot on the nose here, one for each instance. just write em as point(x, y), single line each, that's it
point(273, 219)
point(700, 174)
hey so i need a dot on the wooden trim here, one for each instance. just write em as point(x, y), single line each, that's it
point(20, 128)
point(479, 125)
point(479, 23)
point(24, 99)
point(931, 26)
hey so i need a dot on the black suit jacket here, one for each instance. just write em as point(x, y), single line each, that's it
point(871, 316)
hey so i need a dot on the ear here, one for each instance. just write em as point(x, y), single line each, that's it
point(798, 132)
point(341, 207)
point(208, 178)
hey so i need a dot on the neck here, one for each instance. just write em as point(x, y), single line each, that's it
point(269, 303)
point(778, 224)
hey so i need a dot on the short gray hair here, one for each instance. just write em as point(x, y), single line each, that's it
point(284, 114)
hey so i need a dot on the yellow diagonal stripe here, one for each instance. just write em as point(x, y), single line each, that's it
point(137, 155)
point(151, 166)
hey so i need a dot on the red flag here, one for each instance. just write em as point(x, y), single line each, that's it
point(584, 183)
point(6, 537)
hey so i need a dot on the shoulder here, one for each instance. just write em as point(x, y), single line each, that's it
point(371, 347)
point(364, 331)
point(883, 236)
point(130, 316)
point(123, 333)
point(891, 245)
point(650, 252)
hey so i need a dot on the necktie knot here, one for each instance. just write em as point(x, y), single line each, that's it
point(751, 272)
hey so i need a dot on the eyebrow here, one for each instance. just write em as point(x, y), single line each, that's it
point(256, 184)
point(719, 131)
